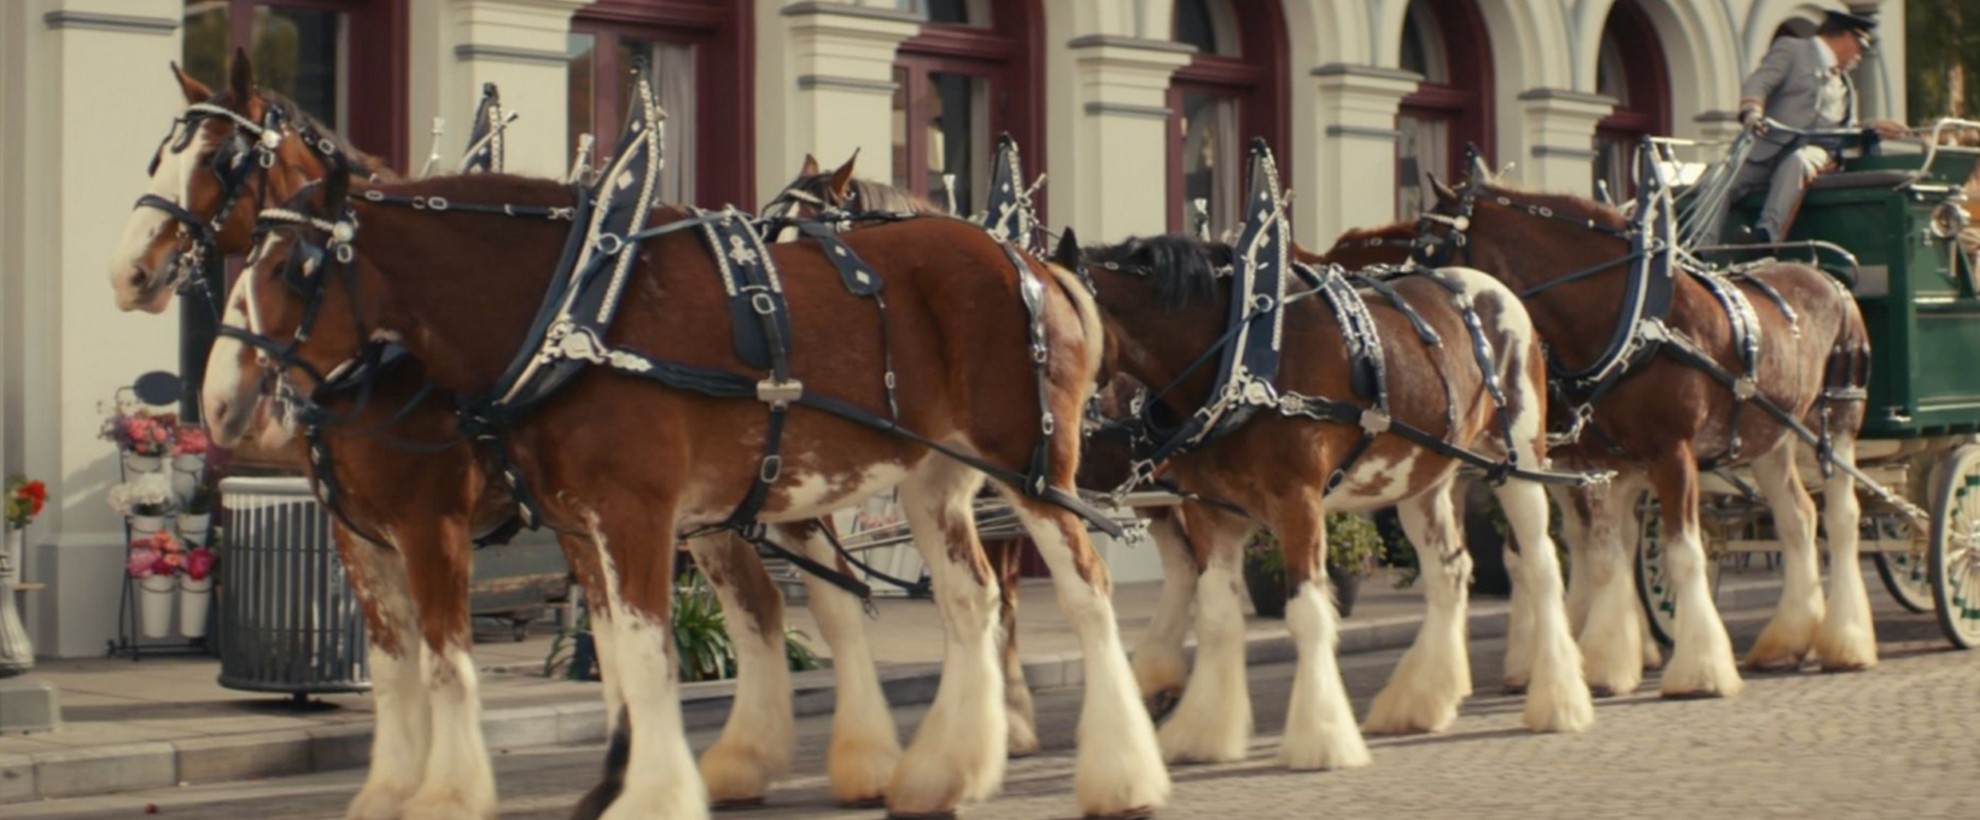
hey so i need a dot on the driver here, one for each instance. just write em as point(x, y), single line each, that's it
point(1802, 84)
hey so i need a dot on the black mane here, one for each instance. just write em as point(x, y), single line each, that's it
point(1181, 268)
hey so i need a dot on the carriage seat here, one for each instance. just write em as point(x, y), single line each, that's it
point(1881, 178)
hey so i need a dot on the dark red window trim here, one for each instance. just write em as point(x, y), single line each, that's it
point(1256, 79)
point(1011, 53)
point(1645, 74)
point(725, 125)
point(377, 78)
point(1466, 103)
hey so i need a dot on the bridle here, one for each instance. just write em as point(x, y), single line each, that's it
point(251, 149)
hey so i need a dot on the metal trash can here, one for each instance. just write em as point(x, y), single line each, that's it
point(288, 619)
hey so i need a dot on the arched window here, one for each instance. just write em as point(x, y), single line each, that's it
point(697, 60)
point(1443, 40)
point(967, 77)
point(1631, 69)
point(1231, 91)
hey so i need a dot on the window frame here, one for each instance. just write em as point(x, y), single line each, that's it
point(1646, 79)
point(1467, 102)
point(1009, 54)
point(725, 115)
point(1255, 77)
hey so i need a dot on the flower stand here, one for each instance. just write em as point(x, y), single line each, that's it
point(16, 650)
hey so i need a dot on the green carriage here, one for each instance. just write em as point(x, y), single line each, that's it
point(1886, 225)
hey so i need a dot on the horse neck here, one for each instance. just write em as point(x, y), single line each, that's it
point(1156, 344)
point(460, 290)
point(1577, 318)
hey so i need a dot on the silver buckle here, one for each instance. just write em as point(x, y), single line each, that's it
point(771, 391)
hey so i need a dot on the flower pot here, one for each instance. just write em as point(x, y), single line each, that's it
point(184, 484)
point(1268, 590)
point(147, 524)
point(143, 464)
point(195, 597)
point(194, 526)
point(155, 605)
point(191, 463)
point(16, 650)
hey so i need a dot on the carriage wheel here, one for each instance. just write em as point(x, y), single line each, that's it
point(1905, 574)
point(1653, 585)
point(1954, 559)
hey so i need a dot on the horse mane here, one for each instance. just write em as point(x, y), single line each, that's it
point(484, 188)
point(289, 110)
point(869, 195)
point(1566, 206)
point(1181, 268)
point(1401, 229)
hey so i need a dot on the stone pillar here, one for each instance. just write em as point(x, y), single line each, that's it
point(520, 46)
point(1116, 184)
point(1559, 134)
point(839, 66)
point(1353, 182)
point(87, 98)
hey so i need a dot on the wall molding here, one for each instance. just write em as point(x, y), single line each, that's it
point(1363, 132)
point(510, 54)
point(123, 23)
point(1155, 112)
point(808, 82)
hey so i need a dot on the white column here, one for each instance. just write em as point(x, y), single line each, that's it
point(1351, 180)
point(1116, 184)
point(520, 46)
point(1559, 137)
point(832, 69)
point(88, 97)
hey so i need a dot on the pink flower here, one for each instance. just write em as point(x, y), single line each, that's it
point(142, 563)
point(171, 563)
point(199, 564)
point(192, 441)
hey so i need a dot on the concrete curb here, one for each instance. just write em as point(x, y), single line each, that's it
point(247, 756)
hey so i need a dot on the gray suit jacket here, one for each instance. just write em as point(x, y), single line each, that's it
point(1789, 84)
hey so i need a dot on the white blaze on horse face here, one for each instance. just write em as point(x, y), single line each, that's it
point(228, 400)
point(172, 181)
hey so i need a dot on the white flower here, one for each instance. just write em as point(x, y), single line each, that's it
point(147, 490)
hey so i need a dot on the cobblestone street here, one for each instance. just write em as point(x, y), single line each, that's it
point(1900, 741)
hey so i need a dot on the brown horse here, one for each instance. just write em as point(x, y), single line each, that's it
point(1159, 665)
point(428, 754)
point(627, 463)
point(1662, 417)
point(1164, 303)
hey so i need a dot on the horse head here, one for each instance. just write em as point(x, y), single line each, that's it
point(1161, 299)
point(294, 318)
point(227, 154)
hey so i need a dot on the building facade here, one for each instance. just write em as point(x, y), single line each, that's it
point(1133, 108)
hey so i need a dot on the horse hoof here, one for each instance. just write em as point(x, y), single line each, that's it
point(874, 802)
point(1842, 668)
point(948, 814)
point(1771, 667)
point(1141, 813)
point(1514, 689)
point(1693, 695)
point(1600, 691)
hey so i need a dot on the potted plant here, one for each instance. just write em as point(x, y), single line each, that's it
point(196, 517)
point(189, 460)
point(145, 499)
point(23, 501)
point(196, 591)
point(155, 561)
point(1352, 544)
point(144, 438)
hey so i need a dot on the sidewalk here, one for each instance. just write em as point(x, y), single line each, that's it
point(166, 721)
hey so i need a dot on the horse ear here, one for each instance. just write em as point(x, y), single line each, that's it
point(1066, 253)
point(240, 82)
point(196, 91)
point(1443, 192)
point(842, 178)
point(810, 168)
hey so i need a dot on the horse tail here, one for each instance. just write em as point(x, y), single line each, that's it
point(1089, 318)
